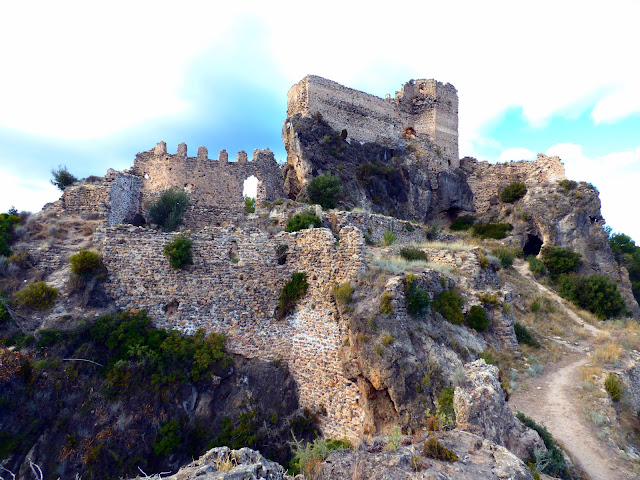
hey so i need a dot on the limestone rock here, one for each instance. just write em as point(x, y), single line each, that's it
point(481, 408)
point(221, 463)
point(479, 459)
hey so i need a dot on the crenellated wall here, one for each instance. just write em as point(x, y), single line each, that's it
point(425, 109)
point(234, 287)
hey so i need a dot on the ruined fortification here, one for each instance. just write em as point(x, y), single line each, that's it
point(424, 109)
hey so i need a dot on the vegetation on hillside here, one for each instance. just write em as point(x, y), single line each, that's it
point(324, 190)
point(168, 210)
point(627, 254)
point(301, 221)
point(62, 178)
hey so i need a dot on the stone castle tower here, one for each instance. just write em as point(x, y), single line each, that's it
point(426, 109)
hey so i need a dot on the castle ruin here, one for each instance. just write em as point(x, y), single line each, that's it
point(424, 109)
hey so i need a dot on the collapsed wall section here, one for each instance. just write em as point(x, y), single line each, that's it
point(487, 180)
point(234, 286)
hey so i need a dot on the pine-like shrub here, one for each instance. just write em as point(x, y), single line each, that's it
point(418, 299)
point(292, 291)
point(524, 336)
point(301, 221)
point(497, 231)
point(62, 178)
point(168, 211)
point(412, 254)
point(85, 263)
point(513, 192)
point(36, 296)
point(324, 190)
point(559, 260)
point(179, 252)
point(477, 318)
point(595, 293)
point(449, 305)
point(463, 222)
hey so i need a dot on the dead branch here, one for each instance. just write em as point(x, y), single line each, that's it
point(82, 360)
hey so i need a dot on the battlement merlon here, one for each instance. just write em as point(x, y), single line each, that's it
point(428, 107)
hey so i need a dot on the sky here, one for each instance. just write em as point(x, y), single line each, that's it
point(89, 84)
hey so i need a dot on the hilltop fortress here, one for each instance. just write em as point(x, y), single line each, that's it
point(397, 159)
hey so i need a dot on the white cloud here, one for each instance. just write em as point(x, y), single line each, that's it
point(616, 175)
point(516, 154)
point(25, 194)
point(618, 104)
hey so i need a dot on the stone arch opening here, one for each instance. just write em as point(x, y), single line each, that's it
point(250, 193)
point(533, 245)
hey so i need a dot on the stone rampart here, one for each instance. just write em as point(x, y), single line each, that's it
point(487, 180)
point(90, 199)
point(373, 226)
point(424, 108)
point(234, 287)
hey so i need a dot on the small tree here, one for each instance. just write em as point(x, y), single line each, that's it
point(477, 318)
point(85, 263)
point(249, 204)
point(179, 252)
point(559, 260)
point(169, 209)
point(62, 178)
point(324, 190)
point(513, 192)
point(301, 221)
point(293, 290)
point(37, 296)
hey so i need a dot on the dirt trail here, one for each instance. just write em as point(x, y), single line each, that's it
point(552, 400)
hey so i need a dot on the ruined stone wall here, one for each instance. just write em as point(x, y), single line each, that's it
point(234, 287)
point(214, 186)
point(426, 108)
point(374, 226)
point(487, 180)
point(86, 200)
point(124, 198)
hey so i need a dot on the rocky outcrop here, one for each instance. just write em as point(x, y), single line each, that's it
point(406, 181)
point(221, 463)
point(481, 408)
point(478, 459)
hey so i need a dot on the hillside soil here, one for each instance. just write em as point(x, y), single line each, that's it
point(554, 400)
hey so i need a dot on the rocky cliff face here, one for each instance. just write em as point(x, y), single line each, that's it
point(402, 181)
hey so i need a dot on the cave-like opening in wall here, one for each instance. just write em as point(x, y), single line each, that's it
point(250, 193)
point(532, 246)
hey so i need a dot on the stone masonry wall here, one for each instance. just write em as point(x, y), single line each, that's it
point(211, 184)
point(486, 180)
point(86, 200)
point(124, 198)
point(234, 286)
point(427, 108)
point(374, 226)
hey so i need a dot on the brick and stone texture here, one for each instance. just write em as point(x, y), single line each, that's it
point(487, 180)
point(425, 109)
point(214, 186)
point(234, 286)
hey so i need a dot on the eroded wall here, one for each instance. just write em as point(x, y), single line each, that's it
point(487, 180)
point(234, 287)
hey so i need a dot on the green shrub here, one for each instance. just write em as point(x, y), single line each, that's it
point(463, 222)
point(168, 211)
point(4, 312)
point(387, 339)
point(524, 336)
point(292, 291)
point(301, 221)
point(488, 357)
point(614, 387)
point(343, 293)
point(249, 204)
point(7, 222)
point(85, 263)
point(513, 192)
point(627, 254)
point(47, 337)
point(386, 303)
point(324, 190)
point(595, 293)
point(506, 256)
point(536, 266)
point(62, 178)
point(555, 464)
point(168, 437)
point(179, 252)
point(412, 254)
point(417, 299)
point(388, 238)
point(559, 260)
point(307, 458)
point(445, 403)
point(491, 230)
point(568, 185)
point(449, 305)
point(477, 318)
point(37, 296)
point(432, 448)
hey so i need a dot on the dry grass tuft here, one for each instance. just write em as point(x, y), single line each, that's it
point(608, 353)
point(602, 337)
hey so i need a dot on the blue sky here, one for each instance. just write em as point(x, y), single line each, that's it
point(89, 86)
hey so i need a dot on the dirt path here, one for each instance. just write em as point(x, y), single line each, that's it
point(553, 400)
